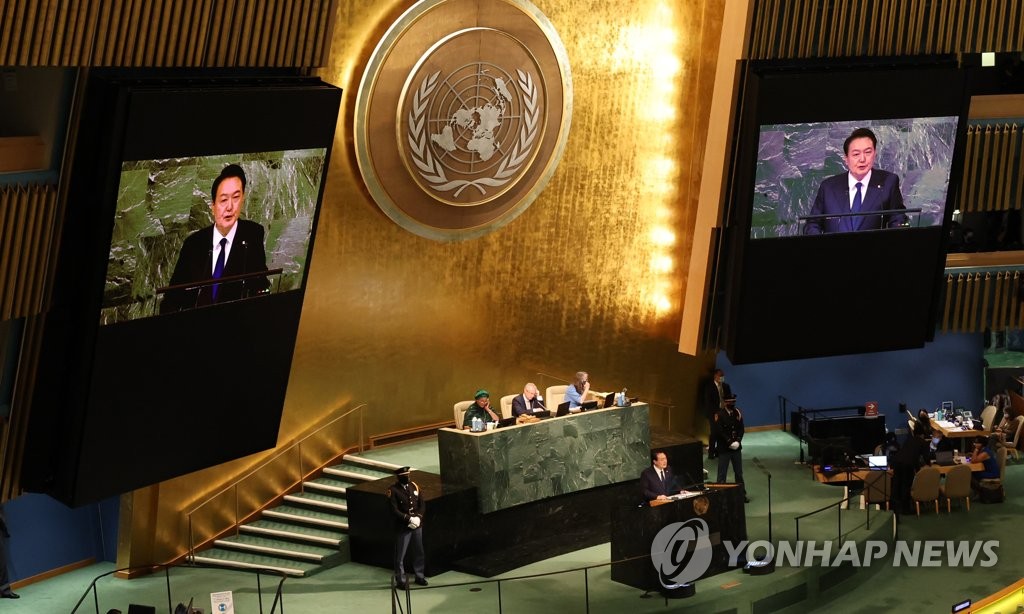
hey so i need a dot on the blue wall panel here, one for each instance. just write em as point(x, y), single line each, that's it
point(947, 369)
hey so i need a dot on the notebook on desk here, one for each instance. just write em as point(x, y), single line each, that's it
point(563, 409)
point(944, 458)
point(588, 406)
point(609, 399)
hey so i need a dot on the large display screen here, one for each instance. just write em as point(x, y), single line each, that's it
point(165, 219)
point(191, 216)
point(842, 185)
point(803, 184)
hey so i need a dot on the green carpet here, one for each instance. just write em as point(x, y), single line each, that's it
point(353, 587)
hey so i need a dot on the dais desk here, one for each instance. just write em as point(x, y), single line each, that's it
point(529, 462)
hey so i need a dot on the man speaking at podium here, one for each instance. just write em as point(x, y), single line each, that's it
point(658, 481)
point(230, 246)
point(863, 189)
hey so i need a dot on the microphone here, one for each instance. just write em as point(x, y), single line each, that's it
point(540, 400)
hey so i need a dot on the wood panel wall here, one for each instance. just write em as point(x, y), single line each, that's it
point(165, 33)
point(851, 28)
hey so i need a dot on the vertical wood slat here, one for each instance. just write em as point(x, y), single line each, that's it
point(946, 310)
point(986, 292)
point(999, 180)
point(957, 305)
point(25, 221)
point(997, 301)
point(968, 201)
point(178, 32)
point(971, 310)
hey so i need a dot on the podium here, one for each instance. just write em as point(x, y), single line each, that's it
point(634, 528)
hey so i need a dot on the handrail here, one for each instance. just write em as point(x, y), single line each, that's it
point(278, 594)
point(278, 455)
point(262, 465)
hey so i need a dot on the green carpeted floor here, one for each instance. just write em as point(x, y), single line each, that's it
point(358, 588)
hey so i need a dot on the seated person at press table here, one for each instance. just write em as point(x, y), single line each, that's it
point(939, 443)
point(527, 402)
point(1008, 426)
point(577, 391)
point(923, 426)
point(983, 454)
point(658, 482)
point(480, 409)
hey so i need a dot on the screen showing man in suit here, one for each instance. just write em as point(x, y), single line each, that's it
point(228, 248)
point(844, 200)
point(806, 175)
point(167, 213)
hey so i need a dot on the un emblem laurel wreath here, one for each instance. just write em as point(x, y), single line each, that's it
point(431, 169)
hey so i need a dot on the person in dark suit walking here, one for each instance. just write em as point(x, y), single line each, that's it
point(407, 507)
point(230, 246)
point(864, 189)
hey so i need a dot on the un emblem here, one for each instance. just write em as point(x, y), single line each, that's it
point(480, 132)
point(476, 116)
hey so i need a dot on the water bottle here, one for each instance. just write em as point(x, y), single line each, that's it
point(478, 425)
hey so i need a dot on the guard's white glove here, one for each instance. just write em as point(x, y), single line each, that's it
point(734, 445)
point(414, 522)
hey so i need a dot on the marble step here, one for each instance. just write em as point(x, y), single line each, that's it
point(278, 548)
point(302, 515)
point(295, 532)
point(317, 501)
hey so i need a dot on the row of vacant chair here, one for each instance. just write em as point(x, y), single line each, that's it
point(553, 397)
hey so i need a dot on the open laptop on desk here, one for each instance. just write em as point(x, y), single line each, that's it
point(875, 462)
point(563, 409)
point(609, 399)
point(506, 422)
point(944, 458)
point(588, 406)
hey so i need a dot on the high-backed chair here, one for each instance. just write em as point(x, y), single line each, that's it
point(460, 412)
point(506, 405)
point(1012, 443)
point(925, 488)
point(877, 489)
point(988, 416)
point(957, 486)
point(554, 396)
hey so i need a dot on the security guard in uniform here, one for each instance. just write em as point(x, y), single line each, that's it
point(407, 505)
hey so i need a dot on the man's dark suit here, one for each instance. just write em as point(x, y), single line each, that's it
point(882, 194)
point(519, 405)
point(652, 486)
point(713, 400)
point(195, 263)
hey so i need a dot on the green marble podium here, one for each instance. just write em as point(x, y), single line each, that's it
point(528, 462)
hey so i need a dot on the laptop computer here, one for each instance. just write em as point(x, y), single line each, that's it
point(506, 422)
point(563, 409)
point(609, 399)
point(944, 458)
point(541, 413)
point(878, 462)
point(588, 406)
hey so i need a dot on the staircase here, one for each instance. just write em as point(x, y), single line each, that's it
point(307, 532)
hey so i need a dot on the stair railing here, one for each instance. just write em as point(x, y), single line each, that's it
point(291, 457)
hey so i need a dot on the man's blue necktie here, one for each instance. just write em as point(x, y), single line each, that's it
point(855, 208)
point(218, 269)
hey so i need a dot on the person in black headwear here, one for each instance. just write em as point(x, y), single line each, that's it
point(726, 434)
point(407, 505)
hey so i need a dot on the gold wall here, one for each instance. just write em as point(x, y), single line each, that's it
point(590, 277)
